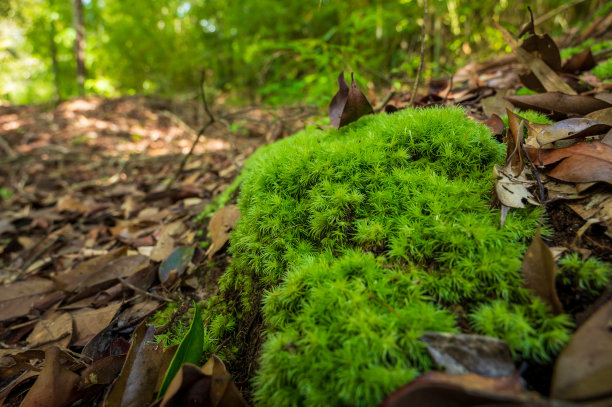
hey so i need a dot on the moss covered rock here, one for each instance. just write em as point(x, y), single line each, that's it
point(354, 242)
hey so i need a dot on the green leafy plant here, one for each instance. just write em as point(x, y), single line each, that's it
point(189, 350)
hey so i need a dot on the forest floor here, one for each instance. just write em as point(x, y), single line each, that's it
point(93, 209)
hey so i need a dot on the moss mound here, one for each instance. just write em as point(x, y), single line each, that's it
point(357, 242)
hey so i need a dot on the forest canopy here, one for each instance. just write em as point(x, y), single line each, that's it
point(266, 50)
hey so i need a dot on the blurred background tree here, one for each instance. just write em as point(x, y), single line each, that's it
point(264, 51)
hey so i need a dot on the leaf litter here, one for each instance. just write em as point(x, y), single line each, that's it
point(95, 245)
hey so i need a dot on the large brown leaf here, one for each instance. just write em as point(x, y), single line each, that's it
point(437, 389)
point(136, 383)
point(582, 162)
point(210, 385)
point(56, 386)
point(584, 368)
point(349, 104)
point(539, 272)
point(574, 128)
point(559, 104)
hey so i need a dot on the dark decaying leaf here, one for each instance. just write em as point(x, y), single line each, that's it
point(462, 353)
point(544, 48)
point(582, 162)
point(575, 128)
point(583, 61)
point(210, 385)
point(495, 123)
point(437, 389)
point(349, 104)
point(539, 271)
point(515, 164)
point(584, 368)
point(189, 350)
point(559, 105)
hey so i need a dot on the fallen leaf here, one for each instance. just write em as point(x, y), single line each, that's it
point(55, 327)
point(558, 104)
point(70, 204)
point(17, 299)
point(495, 123)
point(542, 47)
point(56, 386)
point(164, 246)
point(603, 116)
point(462, 353)
point(136, 382)
point(581, 162)
point(584, 367)
point(539, 272)
point(178, 260)
point(575, 128)
point(582, 61)
point(210, 385)
point(220, 226)
point(437, 389)
point(348, 104)
point(89, 322)
point(599, 207)
point(512, 191)
point(544, 73)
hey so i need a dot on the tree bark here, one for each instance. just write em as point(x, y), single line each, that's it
point(53, 45)
point(79, 44)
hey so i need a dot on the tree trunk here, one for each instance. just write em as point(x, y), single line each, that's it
point(56, 80)
point(79, 44)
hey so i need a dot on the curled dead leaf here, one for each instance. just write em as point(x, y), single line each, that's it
point(348, 104)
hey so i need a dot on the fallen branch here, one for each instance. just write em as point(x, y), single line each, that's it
point(415, 88)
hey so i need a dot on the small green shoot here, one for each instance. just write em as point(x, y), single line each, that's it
point(189, 350)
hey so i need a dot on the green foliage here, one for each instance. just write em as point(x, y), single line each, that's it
point(189, 350)
point(413, 188)
point(261, 50)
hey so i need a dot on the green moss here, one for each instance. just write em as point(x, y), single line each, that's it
point(589, 276)
point(358, 241)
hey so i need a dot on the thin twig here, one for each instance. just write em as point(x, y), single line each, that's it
point(415, 88)
point(211, 120)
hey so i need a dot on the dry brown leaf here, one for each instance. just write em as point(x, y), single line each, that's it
point(220, 226)
point(547, 76)
point(136, 383)
point(598, 207)
point(584, 368)
point(89, 322)
point(602, 116)
point(437, 389)
point(559, 105)
point(56, 386)
point(17, 299)
point(74, 278)
point(348, 104)
point(581, 162)
point(164, 246)
point(210, 385)
point(70, 204)
point(55, 328)
point(539, 272)
point(575, 128)
point(582, 61)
